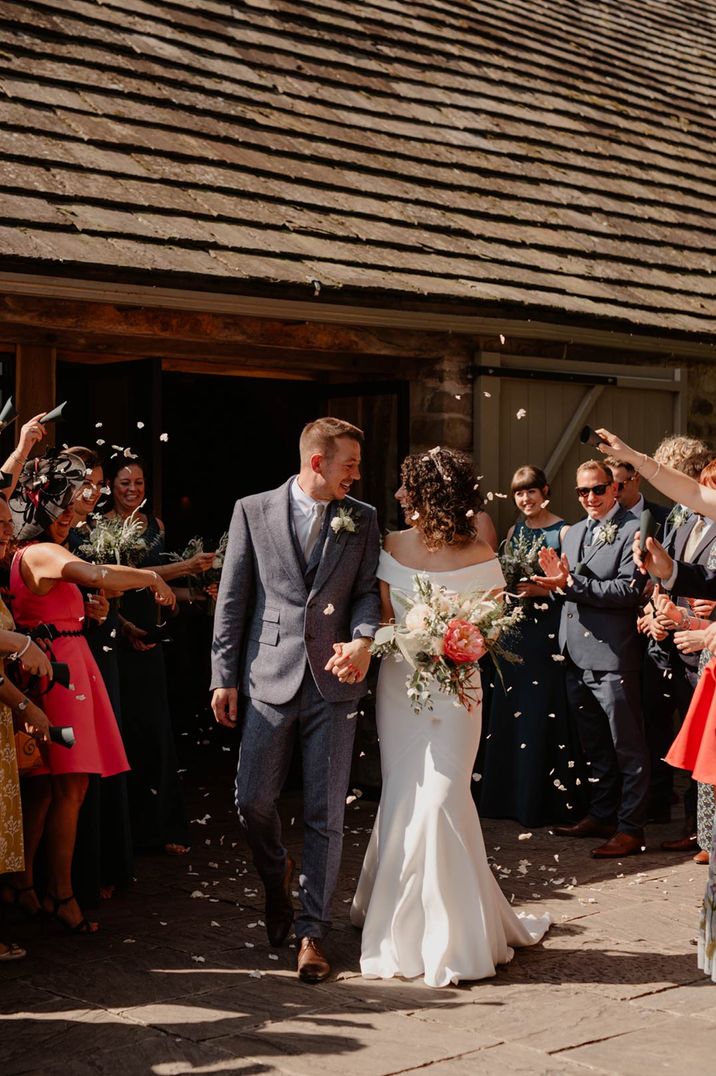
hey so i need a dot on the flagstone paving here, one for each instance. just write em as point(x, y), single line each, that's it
point(182, 980)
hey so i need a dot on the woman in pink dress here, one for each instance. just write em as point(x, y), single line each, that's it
point(44, 585)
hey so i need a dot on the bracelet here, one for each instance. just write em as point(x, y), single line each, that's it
point(18, 653)
point(643, 463)
point(22, 705)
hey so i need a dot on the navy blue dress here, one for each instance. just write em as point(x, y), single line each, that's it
point(532, 766)
point(156, 798)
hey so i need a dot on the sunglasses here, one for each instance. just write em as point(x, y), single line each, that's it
point(598, 490)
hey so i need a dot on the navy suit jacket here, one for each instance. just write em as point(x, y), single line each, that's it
point(665, 652)
point(598, 622)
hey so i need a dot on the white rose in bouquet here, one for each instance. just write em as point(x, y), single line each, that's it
point(417, 617)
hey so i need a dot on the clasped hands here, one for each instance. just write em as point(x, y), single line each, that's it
point(350, 661)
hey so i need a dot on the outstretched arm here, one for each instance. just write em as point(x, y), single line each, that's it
point(679, 487)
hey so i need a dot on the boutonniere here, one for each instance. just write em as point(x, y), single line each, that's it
point(343, 521)
point(607, 532)
point(678, 516)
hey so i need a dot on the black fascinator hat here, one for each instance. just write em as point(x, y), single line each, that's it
point(46, 487)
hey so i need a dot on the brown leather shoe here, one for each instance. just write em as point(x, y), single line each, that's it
point(279, 907)
point(621, 844)
point(702, 858)
point(681, 844)
point(588, 827)
point(313, 966)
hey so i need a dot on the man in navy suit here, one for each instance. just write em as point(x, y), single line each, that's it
point(603, 658)
point(670, 677)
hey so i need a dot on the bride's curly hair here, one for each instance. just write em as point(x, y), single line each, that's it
point(442, 496)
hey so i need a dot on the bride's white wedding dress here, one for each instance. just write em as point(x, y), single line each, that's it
point(427, 900)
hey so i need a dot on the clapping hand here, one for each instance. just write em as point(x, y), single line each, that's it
point(97, 607)
point(555, 568)
point(668, 615)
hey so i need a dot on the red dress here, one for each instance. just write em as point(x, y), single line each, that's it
point(85, 704)
point(694, 748)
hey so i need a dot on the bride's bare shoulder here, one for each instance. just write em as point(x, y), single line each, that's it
point(478, 551)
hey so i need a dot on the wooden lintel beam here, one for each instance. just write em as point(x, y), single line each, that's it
point(104, 319)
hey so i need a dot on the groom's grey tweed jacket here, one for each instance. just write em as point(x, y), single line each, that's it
point(273, 614)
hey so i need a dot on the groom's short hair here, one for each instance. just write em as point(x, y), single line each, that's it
point(321, 435)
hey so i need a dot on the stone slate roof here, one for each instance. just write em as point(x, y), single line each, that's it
point(555, 157)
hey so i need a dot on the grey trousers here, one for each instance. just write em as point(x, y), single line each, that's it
point(606, 707)
point(326, 732)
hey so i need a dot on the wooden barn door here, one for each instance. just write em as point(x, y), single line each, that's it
point(643, 404)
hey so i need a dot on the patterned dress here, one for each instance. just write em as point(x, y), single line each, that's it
point(11, 849)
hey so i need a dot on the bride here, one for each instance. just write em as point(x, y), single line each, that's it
point(427, 900)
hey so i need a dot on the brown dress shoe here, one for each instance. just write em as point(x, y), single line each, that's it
point(279, 907)
point(621, 844)
point(588, 827)
point(313, 966)
point(702, 858)
point(681, 844)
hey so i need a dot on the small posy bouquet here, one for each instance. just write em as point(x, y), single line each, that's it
point(442, 638)
point(520, 559)
point(114, 540)
point(199, 583)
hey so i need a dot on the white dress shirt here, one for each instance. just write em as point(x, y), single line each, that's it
point(638, 508)
point(304, 509)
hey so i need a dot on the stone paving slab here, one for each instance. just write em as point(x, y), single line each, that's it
point(182, 979)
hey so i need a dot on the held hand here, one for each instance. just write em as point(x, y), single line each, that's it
point(134, 637)
point(32, 432)
point(200, 562)
point(689, 642)
point(653, 559)
point(668, 614)
point(531, 590)
point(225, 704)
point(36, 661)
point(350, 661)
point(97, 607)
point(36, 723)
point(702, 608)
point(612, 445)
point(556, 570)
point(163, 593)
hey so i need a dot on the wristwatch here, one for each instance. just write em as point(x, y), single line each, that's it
point(22, 706)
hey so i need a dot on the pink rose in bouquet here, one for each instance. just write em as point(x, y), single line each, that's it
point(463, 642)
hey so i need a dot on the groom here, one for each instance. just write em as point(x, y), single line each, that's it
point(297, 609)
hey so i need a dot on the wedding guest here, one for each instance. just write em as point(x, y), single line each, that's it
point(599, 640)
point(44, 584)
point(103, 858)
point(691, 639)
point(629, 493)
point(671, 673)
point(15, 707)
point(156, 798)
point(531, 755)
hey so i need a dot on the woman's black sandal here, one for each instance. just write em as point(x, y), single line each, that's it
point(83, 927)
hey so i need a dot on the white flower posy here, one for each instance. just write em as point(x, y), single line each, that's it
point(343, 521)
point(607, 532)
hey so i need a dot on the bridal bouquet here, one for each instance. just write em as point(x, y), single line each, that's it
point(520, 559)
point(442, 638)
point(113, 540)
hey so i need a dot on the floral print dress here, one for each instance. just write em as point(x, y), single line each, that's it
point(11, 848)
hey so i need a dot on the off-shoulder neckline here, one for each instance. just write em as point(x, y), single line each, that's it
point(444, 571)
